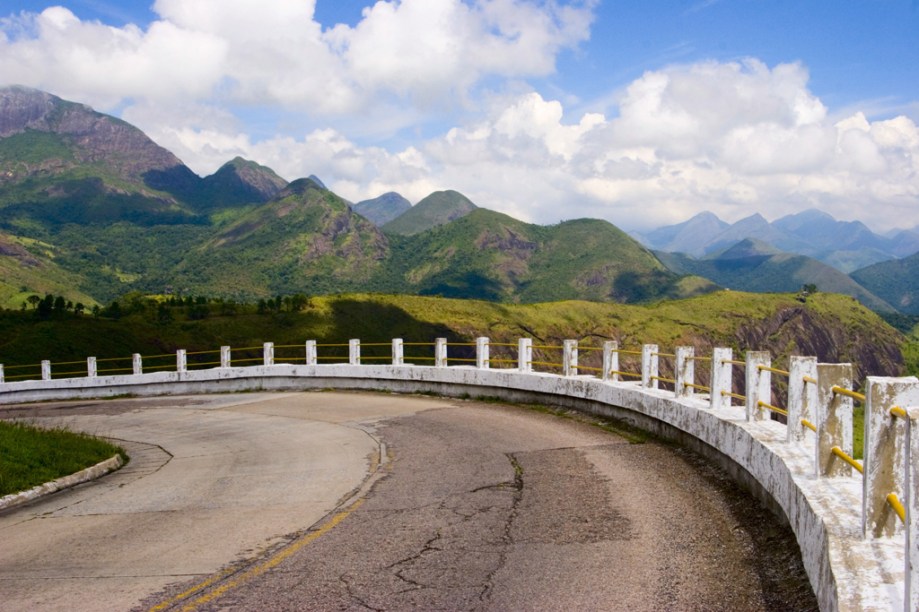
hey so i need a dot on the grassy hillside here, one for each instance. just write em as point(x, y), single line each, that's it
point(896, 281)
point(749, 267)
point(834, 328)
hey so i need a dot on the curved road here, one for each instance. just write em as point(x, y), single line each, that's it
point(346, 501)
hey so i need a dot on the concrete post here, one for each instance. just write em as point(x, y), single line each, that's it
point(649, 366)
point(137, 364)
point(685, 373)
point(759, 384)
point(834, 418)
point(268, 353)
point(2, 380)
point(440, 353)
point(481, 353)
point(886, 452)
point(311, 356)
point(912, 512)
point(611, 360)
point(181, 361)
point(722, 378)
point(92, 369)
point(354, 351)
point(525, 354)
point(225, 359)
point(570, 357)
point(398, 352)
point(802, 397)
point(46, 370)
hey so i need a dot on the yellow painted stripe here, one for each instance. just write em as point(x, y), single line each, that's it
point(255, 571)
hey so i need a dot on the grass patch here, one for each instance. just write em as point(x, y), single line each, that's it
point(30, 456)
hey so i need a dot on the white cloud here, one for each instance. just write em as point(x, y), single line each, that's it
point(730, 137)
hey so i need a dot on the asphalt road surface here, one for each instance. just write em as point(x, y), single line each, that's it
point(346, 501)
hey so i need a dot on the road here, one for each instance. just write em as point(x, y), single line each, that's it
point(329, 501)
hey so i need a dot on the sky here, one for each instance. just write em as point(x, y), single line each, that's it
point(641, 113)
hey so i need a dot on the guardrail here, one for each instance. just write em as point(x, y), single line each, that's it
point(816, 420)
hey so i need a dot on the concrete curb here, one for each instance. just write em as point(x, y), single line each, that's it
point(91, 473)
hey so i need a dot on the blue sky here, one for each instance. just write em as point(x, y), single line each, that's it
point(642, 113)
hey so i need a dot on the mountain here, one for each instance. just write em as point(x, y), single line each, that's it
point(489, 255)
point(305, 240)
point(437, 209)
point(687, 237)
point(383, 209)
point(240, 182)
point(845, 245)
point(896, 281)
point(63, 162)
point(752, 265)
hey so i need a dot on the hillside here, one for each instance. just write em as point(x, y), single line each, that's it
point(305, 240)
point(437, 209)
point(489, 255)
point(751, 265)
point(832, 327)
point(895, 281)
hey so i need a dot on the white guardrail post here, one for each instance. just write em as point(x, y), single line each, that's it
point(685, 372)
point(440, 353)
point(137, 364)
point(268, 353)
point(91, 368)
point(886, 452)
point(759, 384)
point(611, 361)
point(46, 370)
point(398, 352)
point(649, 366)
point(311, 355)
point(570, 357)
point(225, 359)
point(834, 418)
point(722, 378)
point(181, 361)
point(2, 380)
point(802, 397)
point(525, 354)
point(912, 511)
point(481, 353)
point(354, 351)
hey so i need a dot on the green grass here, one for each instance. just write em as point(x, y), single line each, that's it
point(30, 456)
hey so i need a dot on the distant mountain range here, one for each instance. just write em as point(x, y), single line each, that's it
point(91, 208)
point(845, 245)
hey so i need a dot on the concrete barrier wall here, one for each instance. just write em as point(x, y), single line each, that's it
point(847, 571)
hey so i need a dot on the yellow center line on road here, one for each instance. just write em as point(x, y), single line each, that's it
point(253, 572)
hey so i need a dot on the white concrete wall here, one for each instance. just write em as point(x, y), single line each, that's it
point(846, 571)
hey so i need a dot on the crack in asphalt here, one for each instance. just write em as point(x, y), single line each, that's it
point(507, 539)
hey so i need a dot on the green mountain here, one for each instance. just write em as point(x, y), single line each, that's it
point(305, 240)
point(437, 209)
point(383, 209)
point(896, 281)
point(489, 255)
point(751, 265)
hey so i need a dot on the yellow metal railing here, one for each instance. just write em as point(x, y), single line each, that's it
point(848, 459)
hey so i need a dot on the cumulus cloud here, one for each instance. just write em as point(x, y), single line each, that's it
point(730, 137)
point(429, 52)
